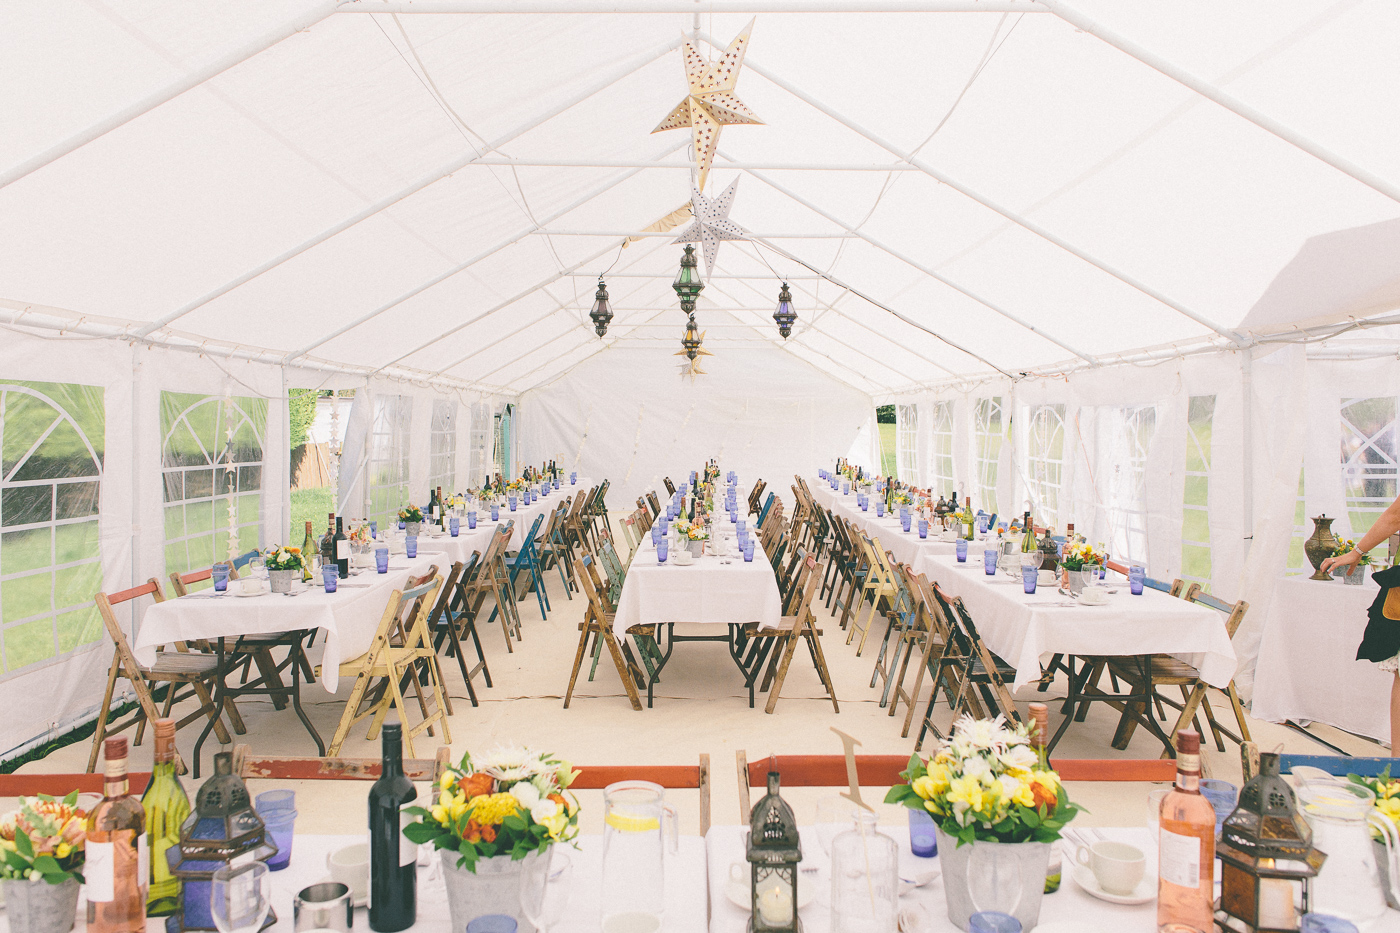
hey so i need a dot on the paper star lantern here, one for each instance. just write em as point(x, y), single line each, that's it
point(712, 223)
point(711, 103)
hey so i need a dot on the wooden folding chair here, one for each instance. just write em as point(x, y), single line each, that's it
point(391, 663)
point(755, 497)
point(493, 579)
point(654, 503)
point(976, 671)
point(552, 551)
point(928, 636)
point(900, 620)
point(597, 623)
point(1337, 765)
point(800, 626)
point(879, 584)
point(172, 669)
point(877, 772)
point(670, 486)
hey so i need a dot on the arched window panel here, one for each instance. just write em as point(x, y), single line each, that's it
point(51, 450)
point(1045, 462)
point(1369, 473)
point(442, 465)
point(1196, 561)
point(941, 448)
point(480, 443)
point(388, 458)
point(1130, 438)
point(987, 436)
point(211, 471)
point(906, 443)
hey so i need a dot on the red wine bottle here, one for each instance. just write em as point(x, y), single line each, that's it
point(342, 549)
point(393, 859)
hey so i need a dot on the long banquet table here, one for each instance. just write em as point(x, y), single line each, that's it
point(906, 546)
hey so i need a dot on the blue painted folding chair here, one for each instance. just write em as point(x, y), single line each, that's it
point(767, 504)
point(527, 558)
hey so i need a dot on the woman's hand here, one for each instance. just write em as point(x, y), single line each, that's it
point(1347, 560)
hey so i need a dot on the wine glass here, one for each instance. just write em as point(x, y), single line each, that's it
point(543, 908)
point(239, 898)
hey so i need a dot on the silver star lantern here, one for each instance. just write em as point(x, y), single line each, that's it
point(712, 223)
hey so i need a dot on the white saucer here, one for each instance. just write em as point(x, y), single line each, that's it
point(261, 591)
point(739, 896)
point(1084, 877)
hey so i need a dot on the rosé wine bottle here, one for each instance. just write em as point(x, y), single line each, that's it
point(1186, 857)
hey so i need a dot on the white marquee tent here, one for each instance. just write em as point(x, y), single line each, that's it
point(1131, 263)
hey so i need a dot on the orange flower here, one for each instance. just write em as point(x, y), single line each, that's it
point(472, 832)
point(476, 784)
point(488, 833)
point(1044, 795)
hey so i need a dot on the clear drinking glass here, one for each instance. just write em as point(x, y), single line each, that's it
point(257, 567)
point(545, 909)
point(239, 898)
point(864, 881)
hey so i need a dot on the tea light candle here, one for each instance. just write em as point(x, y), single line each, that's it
point(775, 905)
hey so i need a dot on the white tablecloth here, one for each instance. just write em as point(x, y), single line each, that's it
point(1307, 666)
point(906, 546)
point(349, 616)
point(685, 887)
point(708, 591)
point(1024, 629)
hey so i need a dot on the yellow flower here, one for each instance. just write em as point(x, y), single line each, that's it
point(923, 786)
point(439, 813)
point(1390, 808)
point(63, 850)
point(492, 809)
point(449, 778)
point(966, 794)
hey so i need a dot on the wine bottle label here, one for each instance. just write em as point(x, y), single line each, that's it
point(1180, 859)
point(408, 849)
point(342, 549)
point(143, 859)
point(100, 871)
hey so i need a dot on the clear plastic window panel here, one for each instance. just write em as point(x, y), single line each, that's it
point(1297, 559)
point(1368, 459)
point(442, 466)
point(1127, 483)
point(906, 443)
point(940, 458)
point(52, 436)
point(988, 438)
point(211, 471)
point(388, 459)
point(480, 443)
point(1195, 516)
point(1045, 462)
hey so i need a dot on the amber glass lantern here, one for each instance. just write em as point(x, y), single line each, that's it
point(1266, 856)
point(223, 831)
point(774, 850)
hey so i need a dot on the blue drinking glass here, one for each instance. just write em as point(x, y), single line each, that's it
point(922, 840)
point(219, 573)
point(879, 508)
point(923, 528)
point(573, 479)
point(748, 551)
point(1222, 796)
point(990, 921)
point(374, 529)
point(733, 516)
point(989, 561)
point(1028, 578)
point(662, 547)
point(279, 824)
point(402, 525)
point(982, 521)
point(381, 559)
point(471, 519)
point(330, 575)
point(1324, 923)
point(454, 526)
point(493, 923)
point(743, 525)
point(845, 489)
point(904, 520)
point(495, 511)
point(410, 546)
point(512, 501)
point(962, 550)
point(1136, 575)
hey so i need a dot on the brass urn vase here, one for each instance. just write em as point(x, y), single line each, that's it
point(1320, 546)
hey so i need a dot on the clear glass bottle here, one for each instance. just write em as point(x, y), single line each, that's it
point(1186, 854)
point(116, 867)
point(864, 881)
point(166, 805)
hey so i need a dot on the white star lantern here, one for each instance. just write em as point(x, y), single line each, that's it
point(710, 104)
point(712, 223)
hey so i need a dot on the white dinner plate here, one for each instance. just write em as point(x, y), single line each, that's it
point(739, 896)
point(1084, 877)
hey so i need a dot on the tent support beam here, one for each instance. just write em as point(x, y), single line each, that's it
point(1233, 104)
point(168, 93)
point(689, 6)
point(926, 270)
point(649, 234)
point(1018, 219)
point(484, 254)
point(424, 181)
point(534, 162)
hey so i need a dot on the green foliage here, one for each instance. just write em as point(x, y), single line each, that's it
point(885, 414)
point(310, 505)
point(301, 405)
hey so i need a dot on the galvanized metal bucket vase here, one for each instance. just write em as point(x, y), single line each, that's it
point(494, 888)
point(40, 907)
point(281, 580)
point(1002, 876)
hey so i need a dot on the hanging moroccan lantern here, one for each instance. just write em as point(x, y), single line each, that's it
point(785, 316)
point(687, 284)
point(601, 313)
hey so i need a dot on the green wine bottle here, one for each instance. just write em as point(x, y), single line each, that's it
point(166, 806)
point(308, 548)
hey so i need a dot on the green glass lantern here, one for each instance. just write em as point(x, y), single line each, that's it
point(774, 850)
point(687, 284)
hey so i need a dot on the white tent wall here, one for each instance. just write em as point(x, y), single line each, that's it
point(625, 415)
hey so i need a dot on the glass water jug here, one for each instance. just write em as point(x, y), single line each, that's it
point(634, 848)
point(1341, 815)
point(864, 881)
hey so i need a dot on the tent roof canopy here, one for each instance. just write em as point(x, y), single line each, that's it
point(959, 190)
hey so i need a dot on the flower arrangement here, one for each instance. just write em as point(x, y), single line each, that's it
point(692, 530)
point(903, 498)
point(510, 801)
point(987, 784)
point(359, 534)
point(1080, 553)
point(410, 513)
point(43, 839)
point(1346, 547)
point(283, 558)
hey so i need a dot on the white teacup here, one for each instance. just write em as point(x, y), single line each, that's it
point(1093, 596)
point(1117, 866)
point(249, 586)
point(682, 556)
point(1045, 578)
point(350, 867)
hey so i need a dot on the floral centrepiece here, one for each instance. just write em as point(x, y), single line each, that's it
point(1079, 554)
point(283, 558)
point(410, 513)
point(1346, 547)
point(987, 784)
point(510, 801)
point(43, 839)
point(693, 530)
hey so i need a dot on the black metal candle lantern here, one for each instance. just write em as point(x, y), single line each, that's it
point(687, 284)
point(1267, 857)
point(602, 313)
point(774, 851)
point(222, 831)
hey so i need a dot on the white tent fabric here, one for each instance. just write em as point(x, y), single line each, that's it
point(1131, 262)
